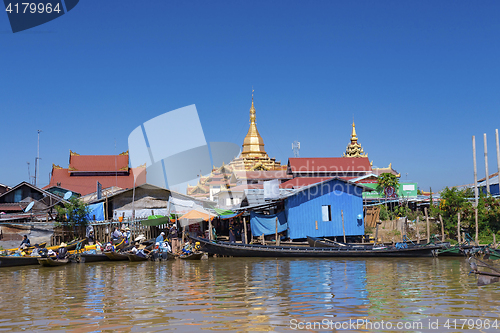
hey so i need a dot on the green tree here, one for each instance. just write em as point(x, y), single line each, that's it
point(74, 213)
point(387, 180)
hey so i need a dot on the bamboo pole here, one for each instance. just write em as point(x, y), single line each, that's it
point(376, 234)
point(276, 233)
point(428, 227)
point(442, 227)
point(343, 228)
point(209, 229)
point(245, 230)
point(486, 164)
point(458, 229)
point(498, 153)
point(494, 240)
point(418, 231)
point(475, 187)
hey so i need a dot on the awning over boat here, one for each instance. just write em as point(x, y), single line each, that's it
point(155, 220)
point(196, 216)
point(266, 224)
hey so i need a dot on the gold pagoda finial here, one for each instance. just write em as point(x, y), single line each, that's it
point(354, 149)
point(353, 134)
point(252, 111)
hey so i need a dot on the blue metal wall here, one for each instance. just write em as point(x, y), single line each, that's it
point(304, 208)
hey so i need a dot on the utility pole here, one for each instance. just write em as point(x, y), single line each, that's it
point(37, 157)
point(486, 165)
point(29, 173)
point(498, 155)
point(475, 186)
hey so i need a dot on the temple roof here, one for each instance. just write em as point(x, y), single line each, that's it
point(253, 144)
point(354, 149)
point(97, 163)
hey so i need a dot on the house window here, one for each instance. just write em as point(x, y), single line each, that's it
point(326, 212)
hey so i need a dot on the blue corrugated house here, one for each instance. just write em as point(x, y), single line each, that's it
point(316, 210)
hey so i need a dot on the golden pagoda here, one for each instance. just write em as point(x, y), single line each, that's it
point(253, 155)
point(354, 149)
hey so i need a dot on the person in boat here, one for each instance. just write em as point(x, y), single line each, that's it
point(62, 252)
point(160, 239)
point(174, 238)
point(139, 251)
point(116, 235)
point(232, 233)
point(165, 247)
point(25, 243)
point(36, 251)
point(91, 237)
point(109, 247)
point(127, 235)
point(187, 249)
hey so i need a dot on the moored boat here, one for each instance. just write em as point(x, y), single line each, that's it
point(135, 257)
point(244, 250)
point(94, 257)
point(116, 256)
point(9, 261)
point(192, 256)
point(53, 262)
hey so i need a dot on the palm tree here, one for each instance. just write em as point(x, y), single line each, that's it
point(386, 181)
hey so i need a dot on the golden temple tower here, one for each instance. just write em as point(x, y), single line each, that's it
point(253, 144)
point(354, 149)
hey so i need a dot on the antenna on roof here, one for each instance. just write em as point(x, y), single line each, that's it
point(37, 157)
point(296, 148)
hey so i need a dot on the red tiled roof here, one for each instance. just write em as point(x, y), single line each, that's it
point(88, 184)
point(302, 181)
point(96, 163)
point(329, 164)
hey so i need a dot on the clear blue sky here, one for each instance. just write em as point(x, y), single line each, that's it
point(420, 78)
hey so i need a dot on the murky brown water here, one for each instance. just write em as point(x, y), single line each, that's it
point(244, 294)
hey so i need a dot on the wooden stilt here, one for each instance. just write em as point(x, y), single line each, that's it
point(428, 227)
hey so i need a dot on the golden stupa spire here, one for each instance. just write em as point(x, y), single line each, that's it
point(354, 149)
point(253, 144)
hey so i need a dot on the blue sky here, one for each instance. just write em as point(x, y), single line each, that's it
point(419, 78)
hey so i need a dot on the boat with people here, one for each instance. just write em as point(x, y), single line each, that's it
point(48, 262)
point(251, 250)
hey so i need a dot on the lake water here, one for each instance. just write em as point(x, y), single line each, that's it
point(247, 294)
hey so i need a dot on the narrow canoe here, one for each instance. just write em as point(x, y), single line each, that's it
point(87, 257)
point(244, 250)
point(135, 257)
point(116, 256)
point(9, 261)
point(192, 256)
point(28, 249)
point(53, 262)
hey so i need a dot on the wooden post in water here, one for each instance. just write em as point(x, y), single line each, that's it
point(475, 186)
point(245, 230)
point(418, 231)
point(376, 234)
point(442, 228)
point(494, 240)
point(343, 228)
point(276, 233)
point(458, 229)
point(209, 228)
point(428, 228)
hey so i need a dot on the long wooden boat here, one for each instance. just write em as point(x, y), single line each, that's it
point(89, 257)
point(135, 257)
point(244, 250)
point(192, 256)
point(325, 242)
point(9, 261)
point(29, 248)
point(455, 251)
point(53, 262)
point(171, 256)
point(116, 255)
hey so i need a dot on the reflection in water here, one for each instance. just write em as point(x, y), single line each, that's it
point(238, 294)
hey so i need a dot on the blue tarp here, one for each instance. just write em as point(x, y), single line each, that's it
point(97, 210)
point(266, 224)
